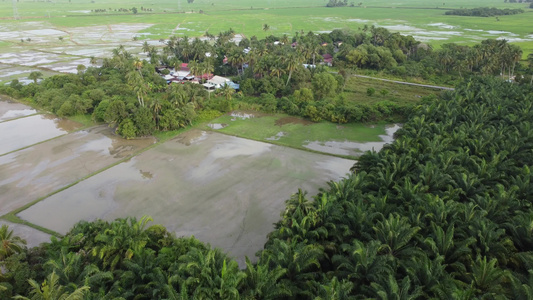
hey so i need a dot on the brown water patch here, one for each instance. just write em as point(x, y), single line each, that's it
point(64, 124)
point(189, 137)
point(292, 120)
point(30, 130)
point(146, 174)
point(36, 171)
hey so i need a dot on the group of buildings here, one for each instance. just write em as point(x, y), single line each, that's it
point(209, 81)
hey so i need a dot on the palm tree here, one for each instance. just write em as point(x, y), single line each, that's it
point(146, 47)
point(52, 290)
point(530, 65)
point(292, 61)
point(93, 61)
point(136, 81)
point(35, 75)
point(195, 68)
point(121, 241)
point(392, 289)
point(9, 243)
point(266, 27)
point(226, 91)
point(208, 67)
point(137, 63)
point(284, 39)
point(395, 234)
point(263, 283)
point(335, 290)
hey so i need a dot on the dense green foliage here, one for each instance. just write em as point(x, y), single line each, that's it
point(444, 212)
point(484, 12)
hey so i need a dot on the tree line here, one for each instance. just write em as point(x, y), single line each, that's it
point(484, 12)
point(444, 212)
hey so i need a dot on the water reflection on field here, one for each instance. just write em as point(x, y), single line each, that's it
point(37, 171)
point(354, 148)
point(27, 131)
point(224, 190)
point(12, 110)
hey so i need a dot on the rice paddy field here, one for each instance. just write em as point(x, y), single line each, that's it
point(56, 36)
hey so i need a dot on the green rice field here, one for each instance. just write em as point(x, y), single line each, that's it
point(55, 37)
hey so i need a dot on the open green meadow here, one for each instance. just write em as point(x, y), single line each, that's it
point(356, 91)
point(425, 21)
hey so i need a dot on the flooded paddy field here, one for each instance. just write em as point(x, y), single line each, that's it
point(351, 148)
point(224, 190)
point(347, 140)
point(32, 236)
point(12, 110)
point(37, 171)
point(23, 132)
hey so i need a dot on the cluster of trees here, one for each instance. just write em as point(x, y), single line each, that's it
point(484, 12)
point(373, 48)
point(126, 93)
point(444, 212)
point(337, 3)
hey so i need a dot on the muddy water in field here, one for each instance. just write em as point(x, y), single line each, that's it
point(34, 172)
point(224, 190)
point(12, 110)
point(354, 148)
point(27, 131)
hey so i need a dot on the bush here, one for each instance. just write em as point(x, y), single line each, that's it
point(370, 91)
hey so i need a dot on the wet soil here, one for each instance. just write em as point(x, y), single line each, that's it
point(12, 110)
point(354, 148)
point(292, 120)
point(30, 130)
point(224, 190)
point(34, 172)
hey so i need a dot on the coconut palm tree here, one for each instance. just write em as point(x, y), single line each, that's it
point(9, 243)
point(146, 47)
point(136, 81)
point(292, 61)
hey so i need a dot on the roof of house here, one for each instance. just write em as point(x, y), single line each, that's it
point(218, 80)
point(181, 73)
point(327, 56)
